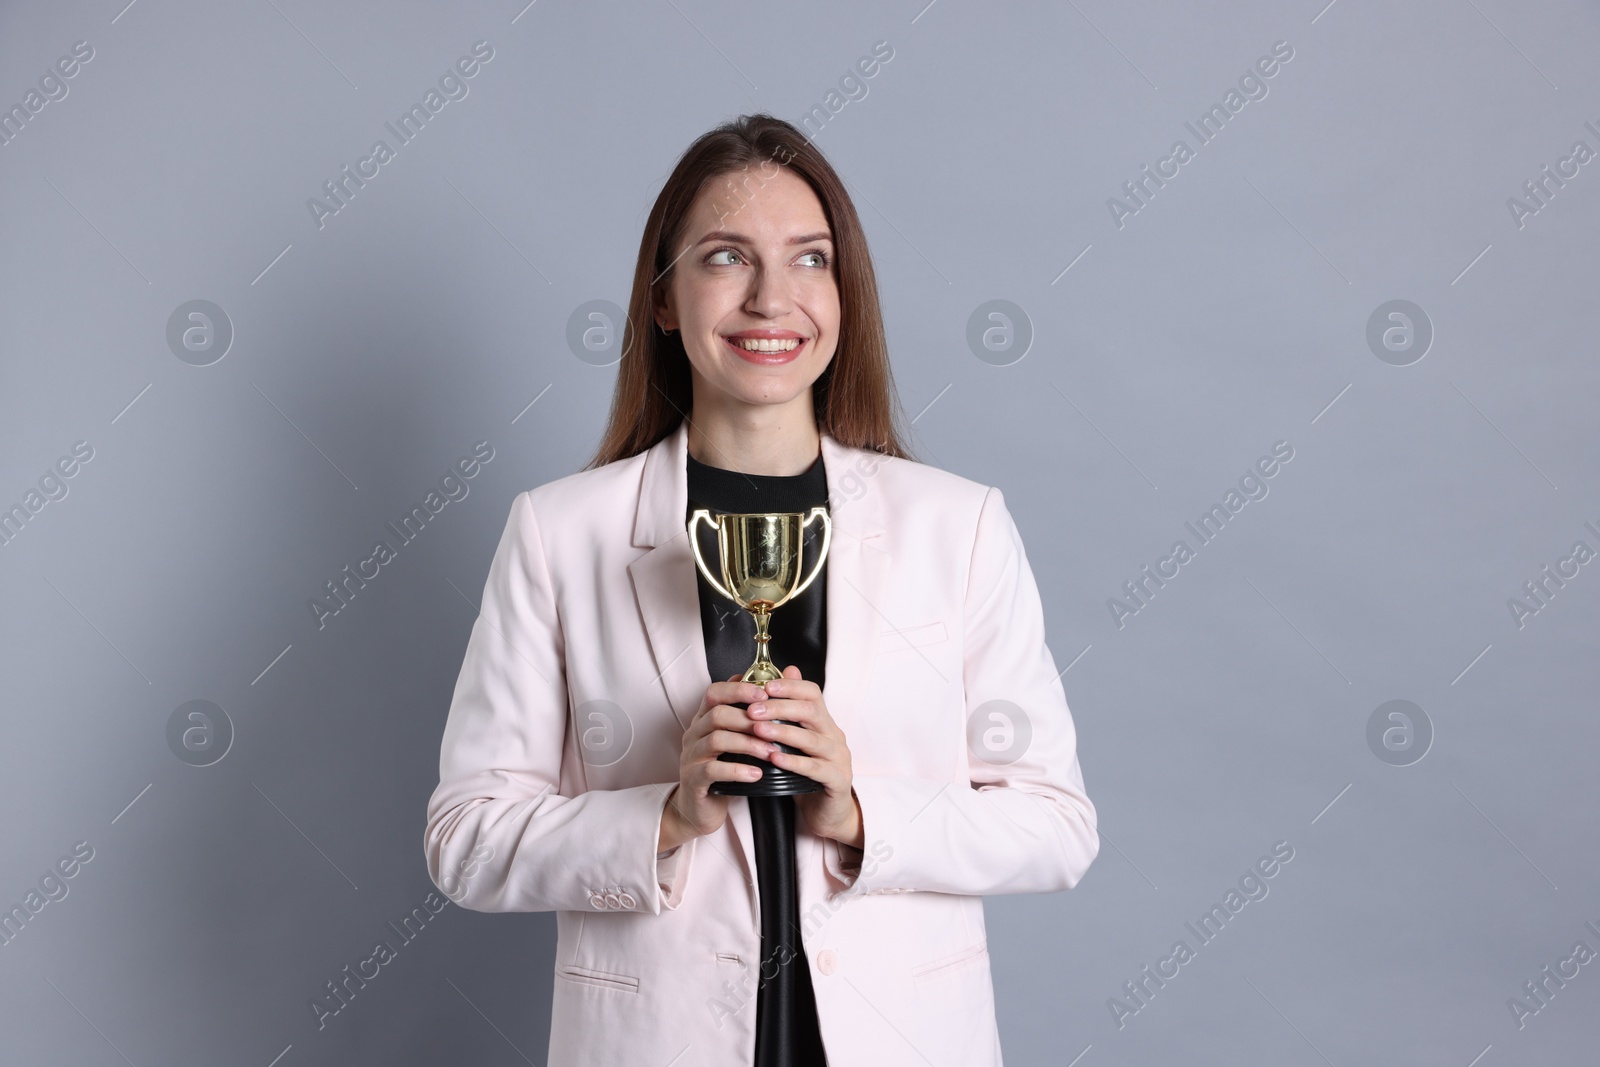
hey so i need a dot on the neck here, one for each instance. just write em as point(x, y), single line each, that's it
point(756, 439)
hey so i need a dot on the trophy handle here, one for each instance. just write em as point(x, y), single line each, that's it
point(701, 514)
point(822, 554)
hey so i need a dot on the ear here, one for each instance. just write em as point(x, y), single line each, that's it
point(661, 310)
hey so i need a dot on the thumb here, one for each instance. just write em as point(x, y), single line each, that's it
point(791, 672)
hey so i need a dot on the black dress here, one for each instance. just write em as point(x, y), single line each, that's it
point(786, 1014)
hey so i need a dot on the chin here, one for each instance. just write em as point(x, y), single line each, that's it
point(775, 396)
point(768, 388)
point(763, 386)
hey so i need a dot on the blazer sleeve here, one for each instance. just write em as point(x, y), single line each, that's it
point(1022, 822)
point(500, 836)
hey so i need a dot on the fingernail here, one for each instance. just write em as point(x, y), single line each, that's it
point(758, 708)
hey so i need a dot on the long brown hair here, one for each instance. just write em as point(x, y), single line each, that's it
point(854, 397)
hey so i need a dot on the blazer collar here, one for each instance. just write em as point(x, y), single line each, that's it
point(857, 575)
point(664, 490)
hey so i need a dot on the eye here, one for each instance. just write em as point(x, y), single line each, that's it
point(822, 257)
point(712, 259)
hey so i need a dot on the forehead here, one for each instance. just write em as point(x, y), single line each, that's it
point(764, 205)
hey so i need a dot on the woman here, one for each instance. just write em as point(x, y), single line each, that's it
point(844, 926)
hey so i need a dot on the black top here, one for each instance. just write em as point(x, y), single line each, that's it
point(786, 1016)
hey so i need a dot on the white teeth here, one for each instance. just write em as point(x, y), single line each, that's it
point(765, 345)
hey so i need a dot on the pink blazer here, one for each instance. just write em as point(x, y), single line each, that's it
point(587, 662)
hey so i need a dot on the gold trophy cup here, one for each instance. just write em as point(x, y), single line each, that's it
point(761, 560)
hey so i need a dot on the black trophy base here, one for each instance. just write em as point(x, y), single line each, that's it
point(774, 782)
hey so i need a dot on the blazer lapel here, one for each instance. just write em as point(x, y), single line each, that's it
point(664, 578)
point(858, 567)
point(664, 583)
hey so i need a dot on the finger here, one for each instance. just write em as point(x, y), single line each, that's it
point(784, 708)
point(807, 712)
point(715, 770)
point(795, 688)
point(727, 717)
point(717, 717)
point(810, 742)
point(824, 771)
point(733, 691)
point(719, 741)
point(724, 771)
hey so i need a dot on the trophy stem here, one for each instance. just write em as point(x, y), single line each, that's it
point(763, 669)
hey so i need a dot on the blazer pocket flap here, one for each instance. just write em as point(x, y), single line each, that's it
point(603, 979)
point(930, 633)
point(934, 968)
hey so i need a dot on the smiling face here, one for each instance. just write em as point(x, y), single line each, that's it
point(754, 292)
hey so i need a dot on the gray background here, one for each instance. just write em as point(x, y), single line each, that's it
point(1228, 314)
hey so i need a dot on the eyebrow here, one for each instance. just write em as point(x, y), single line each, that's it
point(739, 238)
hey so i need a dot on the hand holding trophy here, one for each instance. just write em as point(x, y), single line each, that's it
point(761, 560)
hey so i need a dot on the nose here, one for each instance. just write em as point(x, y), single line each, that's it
point(770, 296)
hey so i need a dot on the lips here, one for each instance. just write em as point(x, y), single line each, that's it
point(766, 359)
